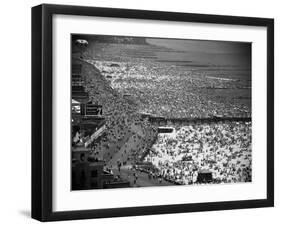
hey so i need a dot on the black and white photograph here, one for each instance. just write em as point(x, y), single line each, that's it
point(159, 112)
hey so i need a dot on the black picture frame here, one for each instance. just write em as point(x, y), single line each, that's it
point(42, 111)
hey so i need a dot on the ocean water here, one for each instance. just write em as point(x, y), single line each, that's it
point(215, 59)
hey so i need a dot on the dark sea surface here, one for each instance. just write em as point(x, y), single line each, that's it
point(216, 59)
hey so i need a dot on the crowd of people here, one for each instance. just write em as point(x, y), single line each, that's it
point(125, 142)
point(125, 130)
point(171, 91)
point(222, 149)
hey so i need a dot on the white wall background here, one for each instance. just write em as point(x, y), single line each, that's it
point(16, 115)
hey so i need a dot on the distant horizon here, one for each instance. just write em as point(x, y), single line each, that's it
point(211, 52)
